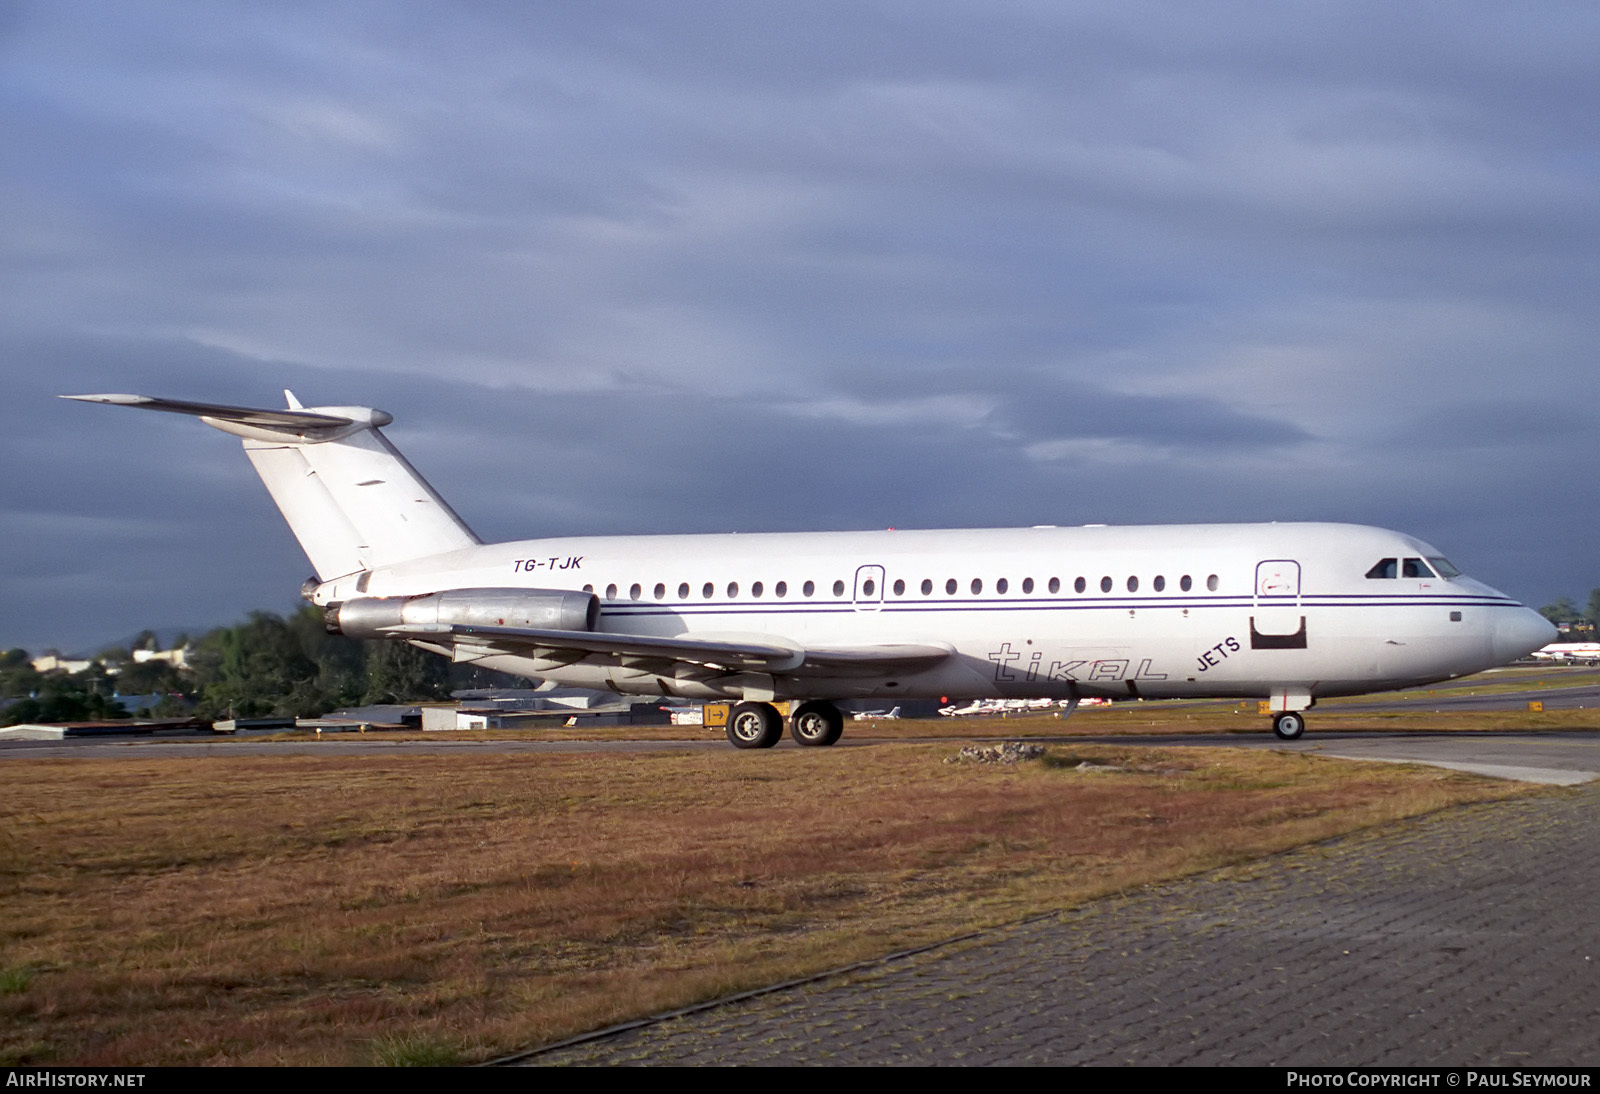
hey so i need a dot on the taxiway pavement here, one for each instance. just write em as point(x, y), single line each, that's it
point(1465, 938)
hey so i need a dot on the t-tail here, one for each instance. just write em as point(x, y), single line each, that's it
point(352, 500)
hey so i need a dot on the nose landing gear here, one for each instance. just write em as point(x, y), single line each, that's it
point(1289, 725)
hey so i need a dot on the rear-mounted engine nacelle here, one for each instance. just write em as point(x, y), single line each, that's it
point(435, 613)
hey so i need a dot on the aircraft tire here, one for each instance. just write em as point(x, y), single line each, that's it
point(1289, 725)
point(816, 724)
point(754, 725)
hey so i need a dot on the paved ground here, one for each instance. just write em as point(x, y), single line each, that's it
point(1557, 757)
point(1461, 696)
point(1468, 938)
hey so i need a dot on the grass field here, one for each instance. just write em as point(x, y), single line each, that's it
point(305, 909)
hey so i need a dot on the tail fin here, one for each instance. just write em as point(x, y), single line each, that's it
point(349, 496)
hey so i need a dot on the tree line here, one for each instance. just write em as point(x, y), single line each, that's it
point(1563, 610)
point(266, 665)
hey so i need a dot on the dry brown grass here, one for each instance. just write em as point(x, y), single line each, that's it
point(309, 909)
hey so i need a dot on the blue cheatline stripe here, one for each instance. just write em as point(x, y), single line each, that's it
point(1232, 603)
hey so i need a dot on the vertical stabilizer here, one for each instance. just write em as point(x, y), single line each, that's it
point(351, 499)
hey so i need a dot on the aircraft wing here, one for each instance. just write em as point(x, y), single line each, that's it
point(643, 651)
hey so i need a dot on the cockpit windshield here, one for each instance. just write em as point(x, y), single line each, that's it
point(1445, 569)
point(1413, 567)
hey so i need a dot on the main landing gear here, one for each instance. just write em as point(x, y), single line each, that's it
point(1289, 725)
point(814, 724)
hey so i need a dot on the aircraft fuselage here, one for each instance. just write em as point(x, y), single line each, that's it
point(1284, 612)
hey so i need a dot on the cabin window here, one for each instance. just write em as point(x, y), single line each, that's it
point(808, 588)
point(927, 587)
point(977, 586)
point(838, 588)
point(755, 590)
point(1055, 585)
point(1001, 586)
point(1415, 567)
point(683, 591)
point(1384, 568)
point(950, 587)
point(1079, 585)
point(1133, 584)
point(1159, 583)
point(899, 587)
point(636, 592)
point(588, 588)
point(733, 589)
point(780, 590)
point(1444, 569)
point(1211, 582)
point(611, 592)
point(1105, 584)
point(1185, 583)
point(661, 591)
point(869, 587)
point(1027, 585)
point(708, 591)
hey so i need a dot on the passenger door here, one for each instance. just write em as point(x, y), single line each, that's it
point(1277, 621)
point(868, 596)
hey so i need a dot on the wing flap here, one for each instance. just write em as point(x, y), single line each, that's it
point(646, 651)
point(901, 657)
point(730, 655)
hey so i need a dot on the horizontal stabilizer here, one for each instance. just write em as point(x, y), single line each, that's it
point(302, 422)
point(352, 500)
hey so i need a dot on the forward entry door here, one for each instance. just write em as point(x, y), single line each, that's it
point(1277, 620)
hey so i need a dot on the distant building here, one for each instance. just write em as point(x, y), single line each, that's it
point(177, 658)
point(53, 663)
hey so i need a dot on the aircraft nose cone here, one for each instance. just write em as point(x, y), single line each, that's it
point(1519, 633)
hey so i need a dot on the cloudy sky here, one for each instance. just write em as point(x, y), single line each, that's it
point(638, 267)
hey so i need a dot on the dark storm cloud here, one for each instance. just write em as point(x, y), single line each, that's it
point(626, 267)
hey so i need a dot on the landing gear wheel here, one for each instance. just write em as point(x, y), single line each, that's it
point(816, 724)
point(1288, 725)
point(754, 725)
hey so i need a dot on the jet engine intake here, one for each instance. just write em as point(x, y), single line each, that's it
point(435, 613)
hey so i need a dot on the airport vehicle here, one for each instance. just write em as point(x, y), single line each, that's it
point(1286, 613)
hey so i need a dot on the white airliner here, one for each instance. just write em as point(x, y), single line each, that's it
point(1568, 651)
point(1286, 613)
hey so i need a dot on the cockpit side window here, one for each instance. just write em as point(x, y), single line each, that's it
point(1415, 567)
point(1442, 565)
point(1384, 568)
